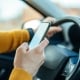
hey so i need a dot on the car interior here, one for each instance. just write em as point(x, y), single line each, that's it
point(62, 54)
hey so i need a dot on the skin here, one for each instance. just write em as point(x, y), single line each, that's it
point(53, 29)
point(28, 59)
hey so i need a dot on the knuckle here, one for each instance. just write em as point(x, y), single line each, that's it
point(22, 47)
point(24, 44)
point(43, 58)
point(19, 49)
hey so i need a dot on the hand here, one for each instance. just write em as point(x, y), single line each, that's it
point(34, 24)
point(53, 29)
point(30, 60)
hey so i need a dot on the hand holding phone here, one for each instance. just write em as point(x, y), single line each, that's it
point(40, 34)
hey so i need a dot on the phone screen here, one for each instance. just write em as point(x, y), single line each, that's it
point(39, 35)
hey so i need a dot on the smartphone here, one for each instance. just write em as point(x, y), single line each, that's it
point(39, 35)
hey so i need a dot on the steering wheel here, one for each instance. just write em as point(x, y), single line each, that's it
point(48, 64)
point(54, 54)
point(56, 58)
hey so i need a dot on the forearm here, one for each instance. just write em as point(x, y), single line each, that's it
point(12, 39)
point(19, 74)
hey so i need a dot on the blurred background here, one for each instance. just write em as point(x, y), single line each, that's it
point(13, 13)
point(72, 7)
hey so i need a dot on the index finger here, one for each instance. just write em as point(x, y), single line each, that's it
point(43, 44)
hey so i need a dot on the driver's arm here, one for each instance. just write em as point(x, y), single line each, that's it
point(20, 74)
point(10, 40)
point(27, 62)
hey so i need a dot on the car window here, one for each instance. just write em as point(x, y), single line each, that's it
point(72, 7)
point(13, 13)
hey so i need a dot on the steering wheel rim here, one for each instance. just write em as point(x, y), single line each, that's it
point(76, 21)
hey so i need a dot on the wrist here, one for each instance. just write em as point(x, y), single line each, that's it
point(31, 32)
